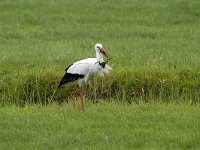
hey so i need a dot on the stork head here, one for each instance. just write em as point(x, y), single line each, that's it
point(99, 49)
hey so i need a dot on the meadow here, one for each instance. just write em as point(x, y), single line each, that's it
point(155, 53)
point(154, 46)
point(105, 126)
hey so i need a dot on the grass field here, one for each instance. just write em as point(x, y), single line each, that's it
point(154, 45)
point(104, 126)
point(149, 101)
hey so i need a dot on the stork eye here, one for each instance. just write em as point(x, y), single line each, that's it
point(98, 47)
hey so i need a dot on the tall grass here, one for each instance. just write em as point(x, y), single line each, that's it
point(125, 86)
point(154, 45)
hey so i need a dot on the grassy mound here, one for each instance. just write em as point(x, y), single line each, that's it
point(127, 86)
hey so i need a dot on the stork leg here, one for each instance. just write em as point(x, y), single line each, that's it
point(82, 98)
point(74, 97)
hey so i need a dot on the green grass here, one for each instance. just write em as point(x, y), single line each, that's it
point(102, 126)
point(156, 68)
point(154, 45)
point(137, 33)
point(155, 52)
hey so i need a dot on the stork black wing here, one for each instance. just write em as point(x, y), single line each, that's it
point(69, 77)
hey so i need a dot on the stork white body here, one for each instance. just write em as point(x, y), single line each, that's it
point(81, 71)
point(89, 68)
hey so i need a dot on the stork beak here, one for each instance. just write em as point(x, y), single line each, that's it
point(105, 53)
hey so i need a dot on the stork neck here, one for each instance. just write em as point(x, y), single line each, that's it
point(99, 57)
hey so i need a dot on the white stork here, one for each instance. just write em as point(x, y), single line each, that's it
point(81, 71)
